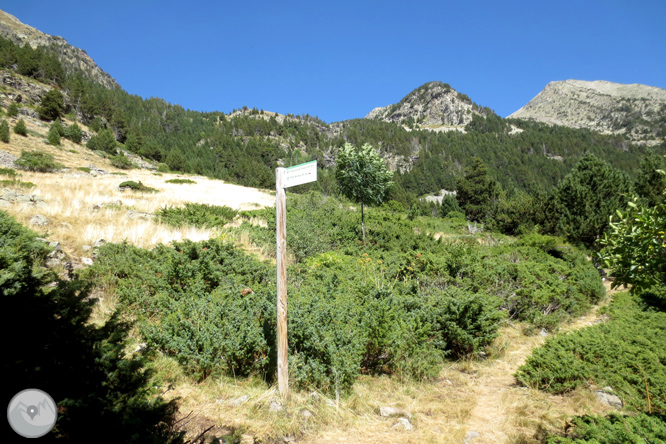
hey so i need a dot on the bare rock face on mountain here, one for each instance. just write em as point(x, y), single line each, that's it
point(637, 111)
point(433, 104)
point(73, 59)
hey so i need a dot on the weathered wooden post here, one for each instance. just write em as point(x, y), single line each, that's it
point(281, 259)
point(284, 178)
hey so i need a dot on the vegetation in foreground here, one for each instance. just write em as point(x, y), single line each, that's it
point(84, 367)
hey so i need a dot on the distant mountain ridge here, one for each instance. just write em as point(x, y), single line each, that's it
point(636, 111)
point(72, 58)
point(433, 104)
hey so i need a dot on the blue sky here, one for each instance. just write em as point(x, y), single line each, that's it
point(340, 59)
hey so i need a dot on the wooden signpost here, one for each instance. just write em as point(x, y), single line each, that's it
point(285, 178)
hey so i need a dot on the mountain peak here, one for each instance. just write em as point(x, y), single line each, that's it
point(73, 59)
point(633, 110)
point(433, 104)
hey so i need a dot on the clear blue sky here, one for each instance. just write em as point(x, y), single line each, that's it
point(339, 59)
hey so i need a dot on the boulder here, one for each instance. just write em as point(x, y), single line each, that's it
point(39, 220)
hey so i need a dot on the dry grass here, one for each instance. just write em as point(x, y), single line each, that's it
point(71, 196)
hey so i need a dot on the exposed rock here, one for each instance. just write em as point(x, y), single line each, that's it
point(306, 414)
point(131, 214)
point(471, 436)
point(5, 204)
point(433, 104)
point(87, 261)
point(7, 160)
point(403, 423)
point(392, 411)
point(614, 108)
point(607, 397)
point(39, 220)
point(239, 401)
point(73, 59)
point(275, 406)
point(99, 243)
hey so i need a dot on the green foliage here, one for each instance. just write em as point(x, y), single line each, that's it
point(52, 105)
point(635, 246)
point(9, 172)
point(587, 197)
point(622, 353)
point(74, 133)
point(38, 63)
point(650, 183)
point(475, 191)
point(614, 429)
point(104, 141)
point(12, 110)
point(449, 205)
point(362, 176)
point(180, 181)
point(83, 366)
point(4, 131)
point(136, 186)
point(121, 161)
point(37, 161)
point(20, 128)
point(54, 134)
point(199, 215)
point(15, 183)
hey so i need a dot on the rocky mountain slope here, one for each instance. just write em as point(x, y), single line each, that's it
point(432, 105)
point(73, 59)
point(637, 111)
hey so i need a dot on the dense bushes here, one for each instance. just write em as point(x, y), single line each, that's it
point(37, 161)
point(398, 304)
point(625, 353)
point(84, 367)
point(615, 429)
point(199, 215)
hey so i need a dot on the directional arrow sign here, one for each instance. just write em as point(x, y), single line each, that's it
point(300, 174)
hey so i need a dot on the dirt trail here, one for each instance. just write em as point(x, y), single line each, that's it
point(494, 418)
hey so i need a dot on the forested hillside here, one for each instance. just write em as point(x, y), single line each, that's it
point(246, 145)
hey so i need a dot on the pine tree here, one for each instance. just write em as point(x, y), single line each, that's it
point(587, 197)
point(650, 184)
point(52, 105)
point(12, 109)
point(4, 131)
point(54, 136)
point(20, 128)
point(74, 133)
point(475, 191)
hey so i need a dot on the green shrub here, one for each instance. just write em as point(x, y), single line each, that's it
point(121, 161)
point(84, 169)
point(163, 168)
point(104, 141)
point(20, 128)
point(180, 181)
point(12, 110)
point(37, 161)
point(614, 429)
point(616, 354)
point(74, 133)
point(17, 184)
point(4, 131)
point(54, 135)
point(199, 215)
point(9, 172)
point(136, 186)
point(81, 364)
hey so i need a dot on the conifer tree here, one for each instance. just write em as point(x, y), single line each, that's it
point(20, 128)
point(74, 133)
point(475, 191)
point(4, 131)
point(54, 136)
